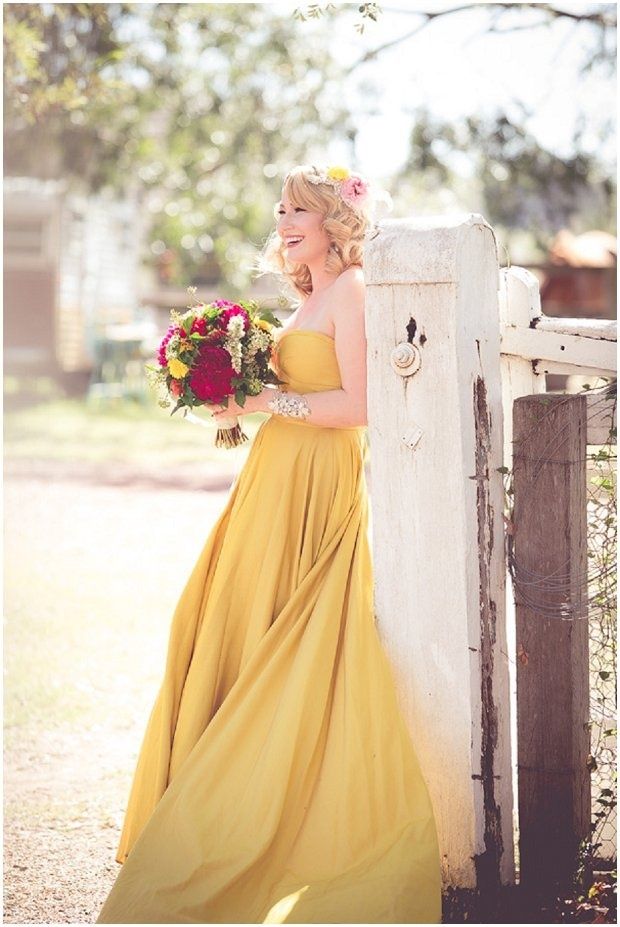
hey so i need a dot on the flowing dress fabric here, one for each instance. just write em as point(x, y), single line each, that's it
point(277, 781)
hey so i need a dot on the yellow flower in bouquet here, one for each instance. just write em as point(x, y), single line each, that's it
point(177, 368)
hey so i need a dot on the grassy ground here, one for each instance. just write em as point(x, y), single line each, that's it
point(48, 425)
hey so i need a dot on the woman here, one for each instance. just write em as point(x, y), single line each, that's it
point(277, 782)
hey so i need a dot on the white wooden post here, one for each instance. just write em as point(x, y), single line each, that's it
point(519, 306)
point(435, 432)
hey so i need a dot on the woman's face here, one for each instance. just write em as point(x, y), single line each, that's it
point(297, 222)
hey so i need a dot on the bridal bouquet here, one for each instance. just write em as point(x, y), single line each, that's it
point(211, 352)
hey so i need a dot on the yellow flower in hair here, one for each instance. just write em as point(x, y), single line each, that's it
point(177, 368)
point(338, 173)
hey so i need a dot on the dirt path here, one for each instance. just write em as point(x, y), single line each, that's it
point(92, 572)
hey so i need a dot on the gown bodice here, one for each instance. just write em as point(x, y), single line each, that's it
point(307, 362)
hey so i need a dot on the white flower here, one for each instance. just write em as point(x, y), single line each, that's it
point(236, 326)
point(258, 341)
point(172, 348)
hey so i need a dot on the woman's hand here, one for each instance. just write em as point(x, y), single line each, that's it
point(252, 404)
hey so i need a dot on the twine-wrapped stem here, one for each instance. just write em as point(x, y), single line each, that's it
point(229, 432)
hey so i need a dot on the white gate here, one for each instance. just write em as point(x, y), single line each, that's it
point(452, 341)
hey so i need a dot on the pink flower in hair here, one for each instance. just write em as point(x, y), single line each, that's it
point(354, 191)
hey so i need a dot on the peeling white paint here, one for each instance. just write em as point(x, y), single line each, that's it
point(434, 284)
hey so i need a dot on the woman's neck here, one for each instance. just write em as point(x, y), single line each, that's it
point(321, 278)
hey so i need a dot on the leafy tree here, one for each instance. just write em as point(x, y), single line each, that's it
point(62, 84)
point(200, 108)
point(525, 191)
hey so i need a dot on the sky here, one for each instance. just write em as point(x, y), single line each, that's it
point(455, 68)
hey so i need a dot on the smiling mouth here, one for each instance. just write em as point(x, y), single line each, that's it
point(293, 244)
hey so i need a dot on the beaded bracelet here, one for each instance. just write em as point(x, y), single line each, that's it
point(285, 404)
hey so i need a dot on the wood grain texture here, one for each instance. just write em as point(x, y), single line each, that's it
point(552, 635)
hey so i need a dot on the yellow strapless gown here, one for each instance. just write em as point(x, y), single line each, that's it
point(277, 782)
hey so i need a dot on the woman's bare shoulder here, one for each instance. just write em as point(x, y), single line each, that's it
point(351, 280)
point(349, 306)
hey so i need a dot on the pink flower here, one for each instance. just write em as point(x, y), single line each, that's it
point(172, 330)
point(354, 191)
point(176, 388)
point(232, 310)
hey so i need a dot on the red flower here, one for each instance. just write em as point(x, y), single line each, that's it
point(231, 311)
point(211, 376)
point(176, 388)
point(199, 326)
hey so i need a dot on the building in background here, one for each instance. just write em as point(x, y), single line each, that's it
point(71, 267)
point(80, 304)
point(579, 278)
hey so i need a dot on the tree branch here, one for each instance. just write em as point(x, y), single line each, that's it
point(597, 18)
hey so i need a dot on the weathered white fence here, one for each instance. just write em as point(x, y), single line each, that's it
point(435, 430)
point(451, 343)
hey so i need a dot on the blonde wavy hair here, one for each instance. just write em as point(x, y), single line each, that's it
point(346, 229)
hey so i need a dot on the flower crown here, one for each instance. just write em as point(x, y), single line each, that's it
point(350, 187)
point(356, 192)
